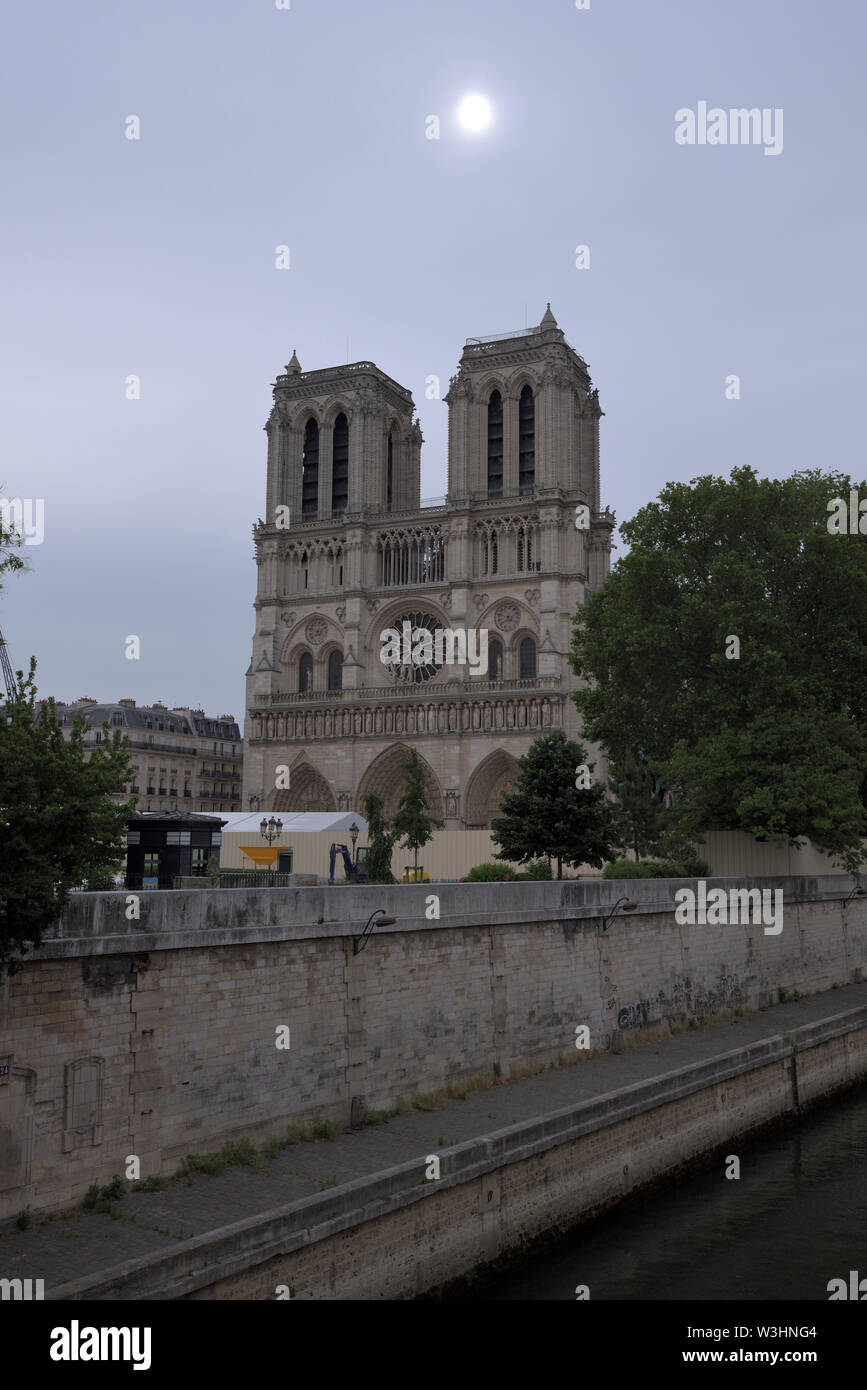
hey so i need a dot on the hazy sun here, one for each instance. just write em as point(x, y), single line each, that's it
point(474, 113)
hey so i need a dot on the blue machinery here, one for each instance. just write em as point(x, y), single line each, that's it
point(353, 870)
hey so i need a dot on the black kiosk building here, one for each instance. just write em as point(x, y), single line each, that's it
point(163, 845)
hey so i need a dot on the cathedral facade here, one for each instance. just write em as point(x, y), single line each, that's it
point(347, 553)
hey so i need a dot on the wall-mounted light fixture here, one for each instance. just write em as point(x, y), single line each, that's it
point(359, 942)
point(622, 905)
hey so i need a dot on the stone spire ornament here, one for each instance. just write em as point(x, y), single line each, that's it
point(548, 320)
point(293, 366)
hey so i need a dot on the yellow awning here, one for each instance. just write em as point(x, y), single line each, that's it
point(262, 855)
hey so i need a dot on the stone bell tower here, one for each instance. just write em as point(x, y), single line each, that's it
point(340, 440)
point(523, 417)
point(347, 553)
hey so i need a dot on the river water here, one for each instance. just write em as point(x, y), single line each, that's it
point(796, 1218)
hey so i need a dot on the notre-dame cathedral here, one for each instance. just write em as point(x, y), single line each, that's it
point(347, 551)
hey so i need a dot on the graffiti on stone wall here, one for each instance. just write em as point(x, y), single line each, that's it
point(634, 1015)
point(726, 993)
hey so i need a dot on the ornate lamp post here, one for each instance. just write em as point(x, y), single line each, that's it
point(270, 830)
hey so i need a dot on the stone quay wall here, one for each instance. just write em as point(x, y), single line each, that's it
point(396, 1234)
point(156, 1035)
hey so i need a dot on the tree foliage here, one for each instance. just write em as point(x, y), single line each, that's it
point(775, 741)
point(58, 823)
point(413, 824)
point(638, 804)
point(380, 840)
point(548, 815)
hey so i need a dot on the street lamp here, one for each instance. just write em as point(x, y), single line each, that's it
point(270, 830)
point(623, 904)
point(359, 942)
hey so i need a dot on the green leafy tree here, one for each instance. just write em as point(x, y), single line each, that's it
point(58, 823)
point(412, 823)
point(638, 804)
point(772, 740)
point(548, 814)
point(380, 840)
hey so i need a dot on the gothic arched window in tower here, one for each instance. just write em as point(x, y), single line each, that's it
point(389, 479)
point(526, 441)
point(495, 659)
point(340, 466)
point(495, 445)
point(335, 671)
point(310, 470)
point(527, 657)
point(305, 672)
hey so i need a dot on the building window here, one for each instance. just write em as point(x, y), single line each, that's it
point(305, 672)
point(495, 659)
point(528, 659)
point(201, 855)
point(310, 470)
point(495, 445)
point(526, 440)
point(524, 549)
point(335, 671)
point(177, 837)
point(389, 471)
point(340, 466)
point(151, 863)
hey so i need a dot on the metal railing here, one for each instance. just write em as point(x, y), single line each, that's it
point(503, 337)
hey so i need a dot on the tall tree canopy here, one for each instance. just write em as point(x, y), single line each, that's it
point(413, 825)
point(772, 740)
point(58, 823)
point(548, 814)
point(380, 840)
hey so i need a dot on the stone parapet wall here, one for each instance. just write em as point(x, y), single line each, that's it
point(394, 1235)
point(156, 1036)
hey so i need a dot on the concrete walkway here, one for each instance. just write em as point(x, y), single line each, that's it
point(60, 1250)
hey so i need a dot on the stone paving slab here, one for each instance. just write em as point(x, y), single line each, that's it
point(60, 1249)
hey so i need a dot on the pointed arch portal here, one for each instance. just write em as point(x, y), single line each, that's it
point(307, 791)
point(385, 778)
point(494, 776)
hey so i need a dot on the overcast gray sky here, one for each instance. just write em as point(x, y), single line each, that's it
point(306, 127)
